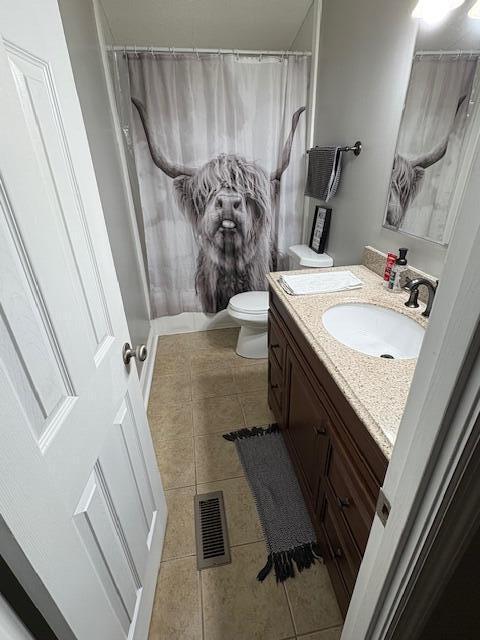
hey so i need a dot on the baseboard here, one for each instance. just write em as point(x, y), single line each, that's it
point(146, 374)
point(192, 321)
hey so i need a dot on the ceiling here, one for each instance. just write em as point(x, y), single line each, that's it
point(226, 24)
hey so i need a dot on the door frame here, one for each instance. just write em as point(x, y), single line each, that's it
point(140, 258)
point(431, 458)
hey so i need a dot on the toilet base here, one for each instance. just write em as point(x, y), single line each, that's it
point(252, 342)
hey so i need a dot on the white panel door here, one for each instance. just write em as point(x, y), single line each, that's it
point(79, 484)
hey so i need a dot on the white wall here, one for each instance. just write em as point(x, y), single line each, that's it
point(304, 37)
point(365, 58)
point(85, 54)
point(226, 24)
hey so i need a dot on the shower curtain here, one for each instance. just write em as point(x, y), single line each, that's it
point(221, 201)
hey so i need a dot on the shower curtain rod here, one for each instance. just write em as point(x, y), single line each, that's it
point(238, 52)
point(459, 52)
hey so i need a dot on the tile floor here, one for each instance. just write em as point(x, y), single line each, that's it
point(200, 390)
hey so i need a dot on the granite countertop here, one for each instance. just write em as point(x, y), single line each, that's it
point(376, 388)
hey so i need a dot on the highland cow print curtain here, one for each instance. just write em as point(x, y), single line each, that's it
point(219, 146)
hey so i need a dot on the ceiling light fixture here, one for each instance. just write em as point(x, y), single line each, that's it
point(475, 11)
point(433, 11)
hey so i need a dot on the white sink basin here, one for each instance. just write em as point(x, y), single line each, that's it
point(375, 331)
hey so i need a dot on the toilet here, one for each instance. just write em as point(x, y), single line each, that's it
point(250, 309)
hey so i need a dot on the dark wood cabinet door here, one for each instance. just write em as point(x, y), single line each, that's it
point(306, 428)
point(276, 340)
point(275, 390)
point(339, 466)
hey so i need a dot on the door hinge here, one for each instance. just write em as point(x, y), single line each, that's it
point(383, 507)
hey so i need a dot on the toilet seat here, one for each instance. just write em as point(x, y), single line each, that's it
point(251, 305)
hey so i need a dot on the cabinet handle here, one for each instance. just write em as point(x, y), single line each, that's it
point(274, 386)
point(338, 553)
point(320, 431)
point(275, 346)
point(343, 502)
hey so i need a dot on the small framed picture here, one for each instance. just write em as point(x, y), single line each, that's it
point(320, 229)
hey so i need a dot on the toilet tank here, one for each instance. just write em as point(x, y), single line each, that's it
point(300, 256)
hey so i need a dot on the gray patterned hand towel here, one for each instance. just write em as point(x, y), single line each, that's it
point(324, 169)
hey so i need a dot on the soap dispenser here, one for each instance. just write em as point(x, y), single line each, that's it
point(398, 269)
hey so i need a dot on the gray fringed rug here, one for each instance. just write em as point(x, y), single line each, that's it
point(289, 533)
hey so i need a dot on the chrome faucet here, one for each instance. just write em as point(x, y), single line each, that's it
point(412, 287)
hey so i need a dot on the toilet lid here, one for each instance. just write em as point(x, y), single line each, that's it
point(252, 302)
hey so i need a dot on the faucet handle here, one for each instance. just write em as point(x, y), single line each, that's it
point(412, 301)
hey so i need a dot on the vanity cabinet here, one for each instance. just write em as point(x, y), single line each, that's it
point(339, 466)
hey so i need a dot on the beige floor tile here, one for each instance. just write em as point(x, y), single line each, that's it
point(251, 378)
point(212, 383)
point(177, 607)
point(242, 518)
point(170, 421)
point(176, 462)
point(238, 607)
point(255, 409)
point(328, 634)
point(180, 534)
point(216, 339)
point(173, 389)
point(240, 361)
point(167, 364)
point(313, 602)
point(178, 343)
point(217, 358)
point(217, 415)
point(216, 459)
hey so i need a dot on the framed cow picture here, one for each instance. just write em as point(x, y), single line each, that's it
point(320, 229)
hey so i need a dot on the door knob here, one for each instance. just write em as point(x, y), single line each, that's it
point(139, 352)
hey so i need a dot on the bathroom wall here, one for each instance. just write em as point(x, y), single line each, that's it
point(85, 54)
point(303, 39)
point(366, 51)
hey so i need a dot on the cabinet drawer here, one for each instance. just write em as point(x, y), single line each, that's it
point(342, 556)
point(351, 501)
point(276, 340)
point(275, 389)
